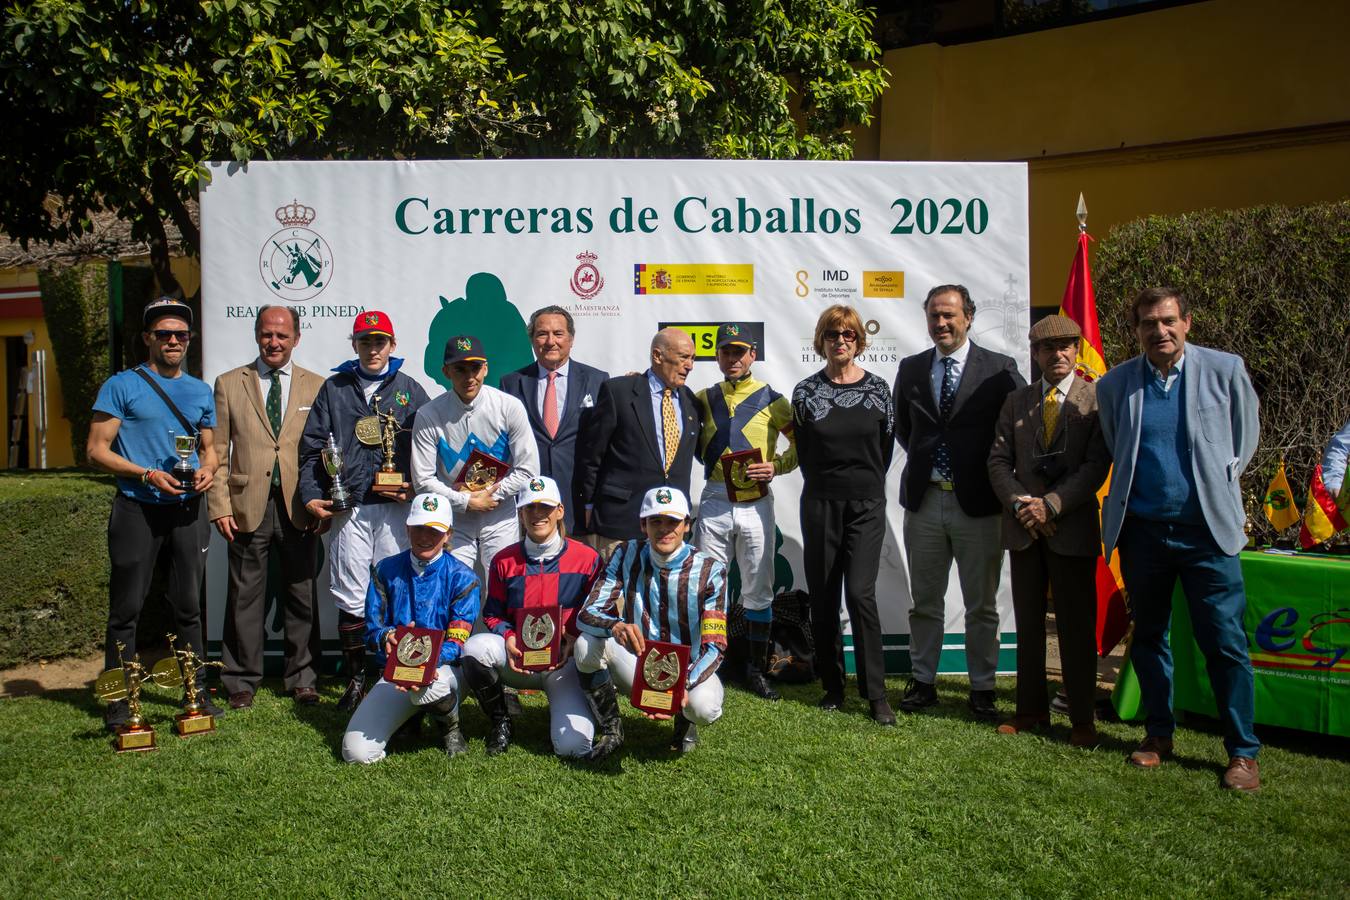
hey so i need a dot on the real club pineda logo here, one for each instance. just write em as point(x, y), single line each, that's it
point(733, 331)
point(464, 344)
point(586, 279)
point(430, 504)
point(296, 263)
point(536, 485)
point(663, 496)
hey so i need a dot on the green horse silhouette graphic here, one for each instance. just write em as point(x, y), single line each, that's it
point(485, 313)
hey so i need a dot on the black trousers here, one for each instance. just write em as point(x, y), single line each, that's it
point(136, 534)
point(1036, 572)
point(841, 549)
point(297, 553)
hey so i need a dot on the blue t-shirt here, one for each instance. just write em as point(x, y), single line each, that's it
point(148, 425)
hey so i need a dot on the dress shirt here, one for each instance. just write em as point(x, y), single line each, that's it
point(265, 382)
point(1172, 374)
point(559, 389)
point(935, 376)
point(657, 386)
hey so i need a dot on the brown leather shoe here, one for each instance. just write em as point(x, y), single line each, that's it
point(1243, 774)
point(1023, 724)
point(1151, 752)
point(306, 696)
point(241, 700)
point(1083, 736)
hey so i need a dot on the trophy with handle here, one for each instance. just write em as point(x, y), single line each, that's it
point(332, 462)
point(124, 683)
point(184, 445)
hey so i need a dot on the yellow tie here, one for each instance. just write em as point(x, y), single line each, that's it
point(670, 426)
point(1050, 414)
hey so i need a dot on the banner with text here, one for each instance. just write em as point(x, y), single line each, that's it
point(627, 246)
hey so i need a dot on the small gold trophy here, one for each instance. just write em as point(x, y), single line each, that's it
point(387, 476)
point(184, 445)
point(186, 664)
point(125, 684)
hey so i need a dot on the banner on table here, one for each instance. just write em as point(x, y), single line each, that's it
point(626, 246)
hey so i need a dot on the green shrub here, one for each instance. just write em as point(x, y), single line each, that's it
point(1271, 284)
point(75, 305)
point(54, 555)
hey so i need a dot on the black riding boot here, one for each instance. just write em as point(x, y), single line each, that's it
point(486, 685)
point(686, 735)
point(604, 704)
point(756, 677)
point(446, 717)
point(352, 636)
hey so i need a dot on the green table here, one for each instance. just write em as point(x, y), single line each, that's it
point(1298, 633)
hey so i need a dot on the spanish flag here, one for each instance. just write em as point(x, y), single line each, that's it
point(1279, 501)
point(1321, 518)
point(1080, 304)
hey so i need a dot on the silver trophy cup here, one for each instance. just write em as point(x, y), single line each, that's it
point(332, 461)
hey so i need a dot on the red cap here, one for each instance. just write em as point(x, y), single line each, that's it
point(372, 322)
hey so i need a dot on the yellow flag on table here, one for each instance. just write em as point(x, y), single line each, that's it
point(1279, 501)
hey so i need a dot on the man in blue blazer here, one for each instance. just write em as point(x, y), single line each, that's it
point(557, 391)
point(1181, 423)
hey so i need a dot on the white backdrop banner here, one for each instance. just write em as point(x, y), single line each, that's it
point(627, 246)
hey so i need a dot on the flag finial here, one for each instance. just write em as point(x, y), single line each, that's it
point(1082, 213)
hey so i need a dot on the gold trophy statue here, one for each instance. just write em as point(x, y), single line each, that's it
point(386, 427)
point(186, 664)
point(125, 684)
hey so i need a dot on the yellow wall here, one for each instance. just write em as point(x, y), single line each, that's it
point(59, 450)
point(1228, 103)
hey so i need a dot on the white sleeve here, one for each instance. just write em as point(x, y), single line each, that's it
point(426, 470)
point(524, 450)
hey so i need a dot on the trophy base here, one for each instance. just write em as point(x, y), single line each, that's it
point(389, 479)
point(340, 504)
point(186, 478)
point(131, 739)
point(188, 724)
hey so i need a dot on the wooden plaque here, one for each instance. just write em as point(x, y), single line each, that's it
point(658, 678)
point(417, 653)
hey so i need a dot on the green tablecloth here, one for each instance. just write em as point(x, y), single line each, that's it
point(1298, 633)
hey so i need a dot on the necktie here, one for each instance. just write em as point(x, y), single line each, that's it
point(942, 459)
point(670, 426)
point(274, 419)
point(1050, 414)
point(551, 405)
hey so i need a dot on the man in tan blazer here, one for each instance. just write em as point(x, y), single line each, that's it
point(255, 504)
point(1047, 461)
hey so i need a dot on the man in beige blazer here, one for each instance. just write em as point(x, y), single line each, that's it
point(255, 504)
point(1047, 461)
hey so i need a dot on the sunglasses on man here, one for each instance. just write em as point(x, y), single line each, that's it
point(163, 335)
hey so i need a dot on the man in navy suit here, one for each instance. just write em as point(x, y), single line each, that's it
point(641, 435)
point(947, 402)
point(557, 392)
point(1181, 424)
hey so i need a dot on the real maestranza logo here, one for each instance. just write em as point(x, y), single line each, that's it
point(296, 263)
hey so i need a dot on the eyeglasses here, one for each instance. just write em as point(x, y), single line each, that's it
point(163, 334)
point(848, 334)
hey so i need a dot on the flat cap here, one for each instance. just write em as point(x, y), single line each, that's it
point(1054, 328)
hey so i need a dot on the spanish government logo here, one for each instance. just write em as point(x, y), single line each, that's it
point(586, 280)
point(296, 263)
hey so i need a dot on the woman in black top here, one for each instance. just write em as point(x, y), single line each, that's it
point(845, 424)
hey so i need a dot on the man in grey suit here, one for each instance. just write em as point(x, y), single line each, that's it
point(558, 392)
point(1047, 462)
point(947, 400)
point(1181, 423)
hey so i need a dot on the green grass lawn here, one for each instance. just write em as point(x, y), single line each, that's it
point(779, 800)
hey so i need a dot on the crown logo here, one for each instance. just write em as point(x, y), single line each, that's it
point(295, 214)
point(587, 256)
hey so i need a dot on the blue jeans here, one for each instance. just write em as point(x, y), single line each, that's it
point(1153, 555)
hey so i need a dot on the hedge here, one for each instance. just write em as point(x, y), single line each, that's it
point(1271, 284)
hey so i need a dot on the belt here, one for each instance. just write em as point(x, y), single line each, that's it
point(943, 485)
